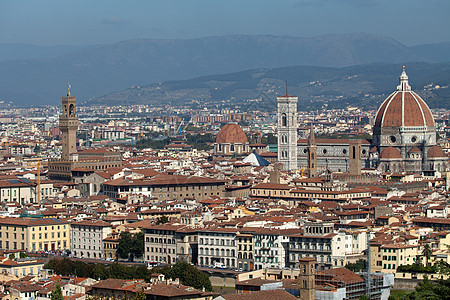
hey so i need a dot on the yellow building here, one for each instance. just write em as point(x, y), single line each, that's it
point(110, 245)
point(394, 255)
point(32, 234)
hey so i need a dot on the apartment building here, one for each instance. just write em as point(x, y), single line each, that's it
point(168, 243)
point(245, 259)
point(394, 255)
point(31, 234)
point(271, 247)
point(319, 242)
point(217, 247)
point(87, 238)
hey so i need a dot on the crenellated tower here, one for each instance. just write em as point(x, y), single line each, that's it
point(68, 126)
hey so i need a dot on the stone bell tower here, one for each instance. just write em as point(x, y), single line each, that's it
point(68, 126)
point(307, 278)
point(287, 131)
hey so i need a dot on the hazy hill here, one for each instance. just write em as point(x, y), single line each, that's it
point(96, 70)
point(365, 85)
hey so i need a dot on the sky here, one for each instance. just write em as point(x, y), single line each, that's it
point(80, 22)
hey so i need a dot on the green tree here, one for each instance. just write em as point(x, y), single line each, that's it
point(189, 275)
point(162, 220)
point(137, 244)
point(124, 246)
point(358, 266)
point(364, 297)
point(57, 293)
point(140, 296)
point(427, 252)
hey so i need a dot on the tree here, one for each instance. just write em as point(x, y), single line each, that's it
point(123, 248)
point(57, 293)
point(364, 297)
point(137, 246)
point(162, 220)
point(189, 275)
point(427, 252)
point(140, 296)
point(358, 266)
point(131, 245)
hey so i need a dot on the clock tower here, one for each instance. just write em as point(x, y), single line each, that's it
point(287, 131)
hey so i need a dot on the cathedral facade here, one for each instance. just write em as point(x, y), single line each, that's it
point(404, 140)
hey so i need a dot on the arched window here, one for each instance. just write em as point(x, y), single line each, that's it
point(283, 120)
point(72, 110)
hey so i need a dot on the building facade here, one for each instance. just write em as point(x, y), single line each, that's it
point(87, 238)
point(31, 234)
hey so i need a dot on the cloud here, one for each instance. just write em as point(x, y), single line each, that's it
point(115, 21)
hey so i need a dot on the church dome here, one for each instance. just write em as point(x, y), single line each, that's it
point(404, 108)
point(414, 150)
point(390, 153)
point(231, 133)
point(436, 152)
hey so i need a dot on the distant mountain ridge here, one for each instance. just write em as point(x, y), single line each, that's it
point(98, 70)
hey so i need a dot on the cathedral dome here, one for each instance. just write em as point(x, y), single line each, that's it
point(390, 153)
point(436, 152)
point(404, 108)
point(231, 133)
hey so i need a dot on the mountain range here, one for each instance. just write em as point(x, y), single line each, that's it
point(39, 75)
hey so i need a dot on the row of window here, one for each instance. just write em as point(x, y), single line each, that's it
point(217, 252)
point(58, 234)
point(218, 242)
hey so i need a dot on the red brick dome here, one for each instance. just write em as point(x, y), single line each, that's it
point(404, 108)
point(390, 153)
point(436, 152)
point(231, 133)
point(414, 150)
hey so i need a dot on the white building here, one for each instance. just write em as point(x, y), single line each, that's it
point(217, 247)
point(87, 238)
point(270, 247)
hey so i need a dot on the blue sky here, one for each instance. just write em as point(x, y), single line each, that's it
point(80, 22)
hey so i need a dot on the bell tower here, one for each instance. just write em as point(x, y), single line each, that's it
point(312, 153)
point(287, 131)
point(68, 126)
point(307, 278)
